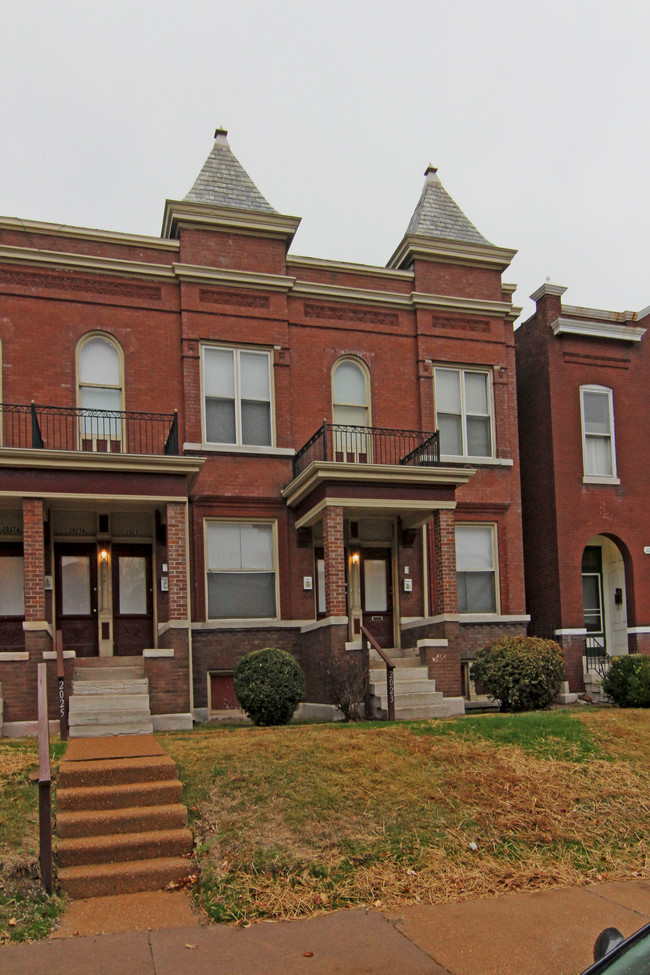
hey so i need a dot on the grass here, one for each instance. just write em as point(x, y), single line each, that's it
point(26, 912)
point(298, 820)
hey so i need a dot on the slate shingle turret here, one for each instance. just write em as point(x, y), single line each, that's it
point(224, 182)
point(437, 215)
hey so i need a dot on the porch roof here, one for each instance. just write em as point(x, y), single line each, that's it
point(413, 493)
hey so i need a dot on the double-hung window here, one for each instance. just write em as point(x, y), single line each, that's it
point(464, 412)
point(241, 575)
point(598, 449)
point(237, 391)
point(476, 575)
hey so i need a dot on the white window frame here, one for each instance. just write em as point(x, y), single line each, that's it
point(273, 525)
point(111, 429)
point(237, 351)
point(462, 371)
point(589, 477)
point(492, 529)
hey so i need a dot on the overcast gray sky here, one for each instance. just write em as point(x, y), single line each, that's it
point(536, 114)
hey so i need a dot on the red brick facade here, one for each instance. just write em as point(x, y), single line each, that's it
point(583, 394)
point(194, 321)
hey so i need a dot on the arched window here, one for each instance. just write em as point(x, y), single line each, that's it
point(351, 409)
point(100, 394)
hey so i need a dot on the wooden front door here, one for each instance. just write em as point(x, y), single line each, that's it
point(377, 594)
point(132, 599)
point(76, 598)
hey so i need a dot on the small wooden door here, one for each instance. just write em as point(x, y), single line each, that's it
point(377, 594)
point(132, 599)
point(222, 693)
point(76, 598)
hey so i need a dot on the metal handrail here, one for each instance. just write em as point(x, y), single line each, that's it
point(37, 427)
point(368, 445)
point(390, 667)
point(596, 656)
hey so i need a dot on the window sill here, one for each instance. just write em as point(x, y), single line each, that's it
point(600, 479)
point(232, 448)
point(477, 461)
point(492, 618)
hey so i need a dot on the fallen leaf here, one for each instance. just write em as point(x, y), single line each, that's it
point(308, 954)
point(187, 945)
point(12, 922)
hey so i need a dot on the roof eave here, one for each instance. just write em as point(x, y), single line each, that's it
point(450, 252)
point(183, 213)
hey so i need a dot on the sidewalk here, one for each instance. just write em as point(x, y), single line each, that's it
point(542, 933)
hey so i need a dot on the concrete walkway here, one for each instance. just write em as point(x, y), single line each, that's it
point(543, 933)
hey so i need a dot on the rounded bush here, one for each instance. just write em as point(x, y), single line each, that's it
point(627, 682)
point(269, 685)
point(523, 673)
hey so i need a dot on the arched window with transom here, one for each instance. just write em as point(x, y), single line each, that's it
point(100, 394)
point(351, 410)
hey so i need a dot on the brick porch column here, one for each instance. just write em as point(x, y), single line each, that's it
point(36, 636)
point(334, 554)
point(177, 561)
point(444, 562)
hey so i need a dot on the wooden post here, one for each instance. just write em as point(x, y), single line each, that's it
point(60, 672)
point(44, 782)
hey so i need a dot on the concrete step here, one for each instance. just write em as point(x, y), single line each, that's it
point(400, 673)
point(110, 716)
point(105, 797)
point(122, 847)
point(108, 669)
point(80, 703)
point(131, 819)
point(120, 771)
point(407, 700)
point(122, 878)
point(420, 713)
point(422, 686)
point(135, 685)
point(108, 730)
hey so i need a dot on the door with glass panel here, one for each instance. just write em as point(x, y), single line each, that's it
point(377, 594)
point(132, 599)
point(12, 597)
point(76, 598)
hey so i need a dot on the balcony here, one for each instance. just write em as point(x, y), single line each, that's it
point(33, 427)
point(368, 445)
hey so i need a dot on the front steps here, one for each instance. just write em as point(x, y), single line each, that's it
point(110, 696)
point(416, 697)
point(121, 825)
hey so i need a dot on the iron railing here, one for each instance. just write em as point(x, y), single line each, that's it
point(596, 656)
point(368, 445)
point(104, 431)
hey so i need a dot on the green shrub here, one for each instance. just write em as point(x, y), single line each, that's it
point(523, 673)
point(627, 682)
point(269, 685)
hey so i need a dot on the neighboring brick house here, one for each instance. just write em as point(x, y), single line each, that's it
point(299, 492)
point(582, 377)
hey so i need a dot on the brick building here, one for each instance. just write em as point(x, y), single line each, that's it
point(209, 445)
point(582, 385)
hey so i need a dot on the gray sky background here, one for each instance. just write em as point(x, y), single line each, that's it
point(536, 114)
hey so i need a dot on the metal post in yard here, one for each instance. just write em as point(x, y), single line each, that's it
point(44, 782)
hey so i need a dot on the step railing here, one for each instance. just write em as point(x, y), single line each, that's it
point(390, 668)
point(596, 656)
point(44, 783)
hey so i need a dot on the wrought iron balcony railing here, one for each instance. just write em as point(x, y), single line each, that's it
point(368, 445)
point(104, 431)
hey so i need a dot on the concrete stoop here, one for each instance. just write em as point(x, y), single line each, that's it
point(120, 824)
point(416, 697)
point(110, 696)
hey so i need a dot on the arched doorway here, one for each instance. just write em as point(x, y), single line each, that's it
point(603, 596)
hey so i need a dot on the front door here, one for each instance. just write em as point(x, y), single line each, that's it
point(132, 599)
point(377, 594)
point(76, 598)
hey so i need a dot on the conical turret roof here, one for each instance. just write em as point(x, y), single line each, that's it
point(224, 182)
point(437, 215)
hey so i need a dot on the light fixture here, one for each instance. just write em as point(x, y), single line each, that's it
point(355, 558)
point(103, 556)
